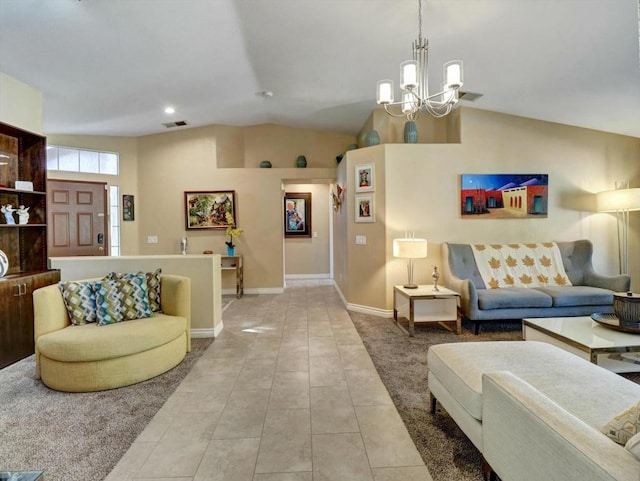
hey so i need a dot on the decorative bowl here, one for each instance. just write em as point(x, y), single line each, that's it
point(4, 263)
point(626, 307)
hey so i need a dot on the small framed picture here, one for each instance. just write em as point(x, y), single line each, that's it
point(364, 208)
point(365, 178)
point(297, 214)
point(128, 207)
point(209, 209)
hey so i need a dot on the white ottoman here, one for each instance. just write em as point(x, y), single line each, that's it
point(455, 380)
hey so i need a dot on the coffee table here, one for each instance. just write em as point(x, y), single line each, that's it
point(614, 350)
point(22, 475)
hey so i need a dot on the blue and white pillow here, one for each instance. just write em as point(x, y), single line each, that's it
point(121, 300)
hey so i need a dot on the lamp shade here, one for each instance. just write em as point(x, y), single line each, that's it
point(618, 199)
point(410, 248)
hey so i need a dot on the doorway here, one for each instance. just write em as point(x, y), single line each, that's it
point(77, 216)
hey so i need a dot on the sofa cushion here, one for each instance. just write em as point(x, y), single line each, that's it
point(622, 427)
point(633, 445)
point(121, 300)
point(459, 368)
point(577, 296)
point(512, 298)
point(153, 285)
point(79, 300)
point(93, 343)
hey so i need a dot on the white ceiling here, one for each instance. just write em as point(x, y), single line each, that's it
point(109, 67)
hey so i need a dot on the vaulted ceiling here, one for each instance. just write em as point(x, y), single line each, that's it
point(109, 67)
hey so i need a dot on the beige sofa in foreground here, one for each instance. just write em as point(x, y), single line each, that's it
point(94, 358)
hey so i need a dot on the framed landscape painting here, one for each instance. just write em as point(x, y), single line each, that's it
point(504, 196)
point(297, 214)
point(209, 209)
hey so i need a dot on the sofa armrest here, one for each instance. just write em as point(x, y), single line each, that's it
point(620, 283)
point(468, 295)
point(175, 298)
point(49, 314)
point(528, 437)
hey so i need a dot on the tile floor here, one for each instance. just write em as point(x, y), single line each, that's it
point(287, 392)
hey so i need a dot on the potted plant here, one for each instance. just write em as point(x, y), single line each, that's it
point(232, 231)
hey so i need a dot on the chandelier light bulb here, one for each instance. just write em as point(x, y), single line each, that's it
point(453, 74)
point(408, 102)
point(409, 75)
point(385, 92)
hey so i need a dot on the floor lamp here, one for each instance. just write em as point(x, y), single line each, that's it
point(410, 248)
point(620, 201)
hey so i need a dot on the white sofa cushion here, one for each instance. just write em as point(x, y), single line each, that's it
point(563, 377)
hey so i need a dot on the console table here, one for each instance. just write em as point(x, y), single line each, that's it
point(234, 263)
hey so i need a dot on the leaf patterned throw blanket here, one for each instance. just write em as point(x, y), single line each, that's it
point(520, 265)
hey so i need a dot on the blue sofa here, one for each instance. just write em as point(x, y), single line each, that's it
point(590, 292)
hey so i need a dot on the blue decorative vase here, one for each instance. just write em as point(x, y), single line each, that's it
point(372, 138)
point(339, 158)
point(265, 164)
point(410, 132)
point(301, 162)
point(230, 251)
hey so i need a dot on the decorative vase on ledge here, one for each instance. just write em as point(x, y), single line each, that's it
point(230, 251)
point(373, 138)
point(301, 162)
point(410, 132)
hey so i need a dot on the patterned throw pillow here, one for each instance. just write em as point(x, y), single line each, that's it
point(79, 300)
point(633, 445)
point(121, 300)
point(153, 285)
point(624, 426)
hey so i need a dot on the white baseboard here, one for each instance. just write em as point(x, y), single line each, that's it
point(255, 290)
point(200, 333)
point(374, 311)
point(307, 276)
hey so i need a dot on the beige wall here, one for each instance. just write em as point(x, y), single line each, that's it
point(126, 180)
point(304, 256)
point(422, 185)
point(20, 104)
point(280, 145)
point(172, 163)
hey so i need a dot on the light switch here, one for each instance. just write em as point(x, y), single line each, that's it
point(361, 240)
point(315, 233)
point(152, 239)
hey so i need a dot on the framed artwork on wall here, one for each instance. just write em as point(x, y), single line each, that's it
point(209, 209)
point(297, 214)
point(504, 196)
point(365, 178)
point(128, 207)
point(364, 208)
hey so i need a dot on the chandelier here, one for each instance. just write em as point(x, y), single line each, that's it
point(415, 86)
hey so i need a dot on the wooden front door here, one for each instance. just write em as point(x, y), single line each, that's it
point(78, 223)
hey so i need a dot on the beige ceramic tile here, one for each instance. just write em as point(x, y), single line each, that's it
point(243, 416)
point(340, 457)
point(332, 411)
point(302, 476)
point(366, 388)
point(283, 421)
point(131, 462)
point(411, 473)
point(228, 460)
point(322, 347)
point(257, 373)
point(355, 356)
point(386, 438)
point(326, 371)
point(284, 453)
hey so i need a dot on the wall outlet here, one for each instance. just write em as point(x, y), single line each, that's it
point(361, 240)
point(152, 239)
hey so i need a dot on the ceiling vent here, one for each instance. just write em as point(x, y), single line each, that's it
point(468, 96)
point(179, 123)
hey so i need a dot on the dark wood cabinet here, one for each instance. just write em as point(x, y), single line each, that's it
point(22, 159)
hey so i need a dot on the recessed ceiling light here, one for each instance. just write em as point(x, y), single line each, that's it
point(169, 110)
point(266, 94)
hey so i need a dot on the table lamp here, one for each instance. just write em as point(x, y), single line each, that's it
point(410, 248)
